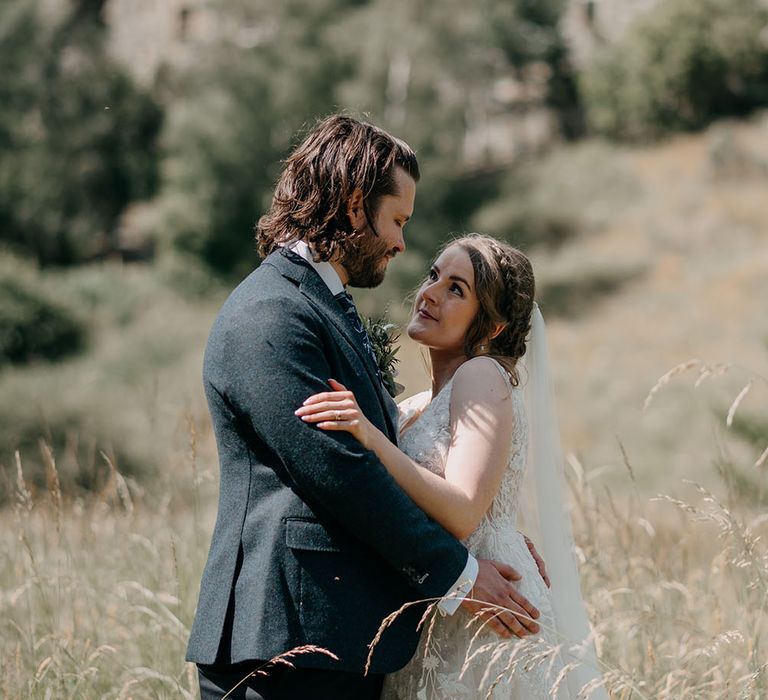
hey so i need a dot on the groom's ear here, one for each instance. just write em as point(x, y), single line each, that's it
point(355, 209)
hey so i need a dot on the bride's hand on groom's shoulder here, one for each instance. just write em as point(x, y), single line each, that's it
point(498, 603)
point(337, 410)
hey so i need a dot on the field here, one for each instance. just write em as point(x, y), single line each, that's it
point(97, 597)
point(104, 536)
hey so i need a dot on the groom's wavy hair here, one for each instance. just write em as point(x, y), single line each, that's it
point(505, 289)
point(340, 155)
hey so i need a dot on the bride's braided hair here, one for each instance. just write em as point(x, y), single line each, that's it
point(505, 289)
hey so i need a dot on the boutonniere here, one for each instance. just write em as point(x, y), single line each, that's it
point(383, 336)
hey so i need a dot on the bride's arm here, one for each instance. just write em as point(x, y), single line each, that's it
point(481, 427)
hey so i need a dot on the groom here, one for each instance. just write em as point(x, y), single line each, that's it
point(314, 543)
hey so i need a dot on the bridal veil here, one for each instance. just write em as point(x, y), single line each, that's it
point(546, 520)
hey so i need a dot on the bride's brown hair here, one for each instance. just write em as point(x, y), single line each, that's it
point(505, 288)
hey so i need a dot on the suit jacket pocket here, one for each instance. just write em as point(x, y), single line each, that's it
point(334, 585)
point(308, 535)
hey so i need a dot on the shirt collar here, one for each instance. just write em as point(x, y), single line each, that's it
point(323, 268)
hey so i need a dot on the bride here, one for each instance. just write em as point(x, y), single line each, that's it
point(464, 447)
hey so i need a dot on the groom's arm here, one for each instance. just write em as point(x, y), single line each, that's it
point(271, 359)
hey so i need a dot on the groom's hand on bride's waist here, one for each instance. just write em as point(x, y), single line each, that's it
point(498, 603)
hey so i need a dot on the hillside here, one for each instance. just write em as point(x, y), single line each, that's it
point(683, 242)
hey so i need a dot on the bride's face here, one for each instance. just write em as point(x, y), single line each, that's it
point(446, 303)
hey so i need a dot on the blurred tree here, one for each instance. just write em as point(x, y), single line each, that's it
point(428, 73)
point(231, 117)
point(529, 30)
point(432, 73)
point(77, 138)
point(34, 325)
point(680, 66)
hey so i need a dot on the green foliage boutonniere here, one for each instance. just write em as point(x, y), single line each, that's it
point(383, 336)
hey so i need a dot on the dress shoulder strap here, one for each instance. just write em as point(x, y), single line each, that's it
point(502, 371)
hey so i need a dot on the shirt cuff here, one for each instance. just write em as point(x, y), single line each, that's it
point(461, 589)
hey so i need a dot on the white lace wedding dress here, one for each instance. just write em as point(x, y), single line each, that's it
point(455, 658)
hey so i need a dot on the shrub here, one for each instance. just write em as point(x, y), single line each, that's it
point(128, 396)
point(547, 201)
point(678, 67)
point(576, 293)
point(34, 325)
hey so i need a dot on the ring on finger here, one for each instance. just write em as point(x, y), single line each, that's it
point(337, 415)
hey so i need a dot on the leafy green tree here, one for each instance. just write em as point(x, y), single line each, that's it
point(679, 66)
point(232, 117)
point(426, 72)
point(34, 325)
point(429, 72)
point(78, 140)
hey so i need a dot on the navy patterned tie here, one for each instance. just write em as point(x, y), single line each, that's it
point(350, 311)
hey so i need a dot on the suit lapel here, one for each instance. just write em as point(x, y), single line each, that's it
point(317, 293)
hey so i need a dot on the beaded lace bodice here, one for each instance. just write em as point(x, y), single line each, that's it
point(441, 668)
point(427, 439)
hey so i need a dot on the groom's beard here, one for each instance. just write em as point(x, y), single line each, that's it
point(365, 260)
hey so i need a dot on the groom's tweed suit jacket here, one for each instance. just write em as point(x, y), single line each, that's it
point(314, 542)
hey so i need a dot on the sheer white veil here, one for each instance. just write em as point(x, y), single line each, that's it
point(545, 518)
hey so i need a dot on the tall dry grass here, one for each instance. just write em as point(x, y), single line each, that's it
point(97, 596)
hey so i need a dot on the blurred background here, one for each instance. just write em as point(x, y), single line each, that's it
point(621, 143)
